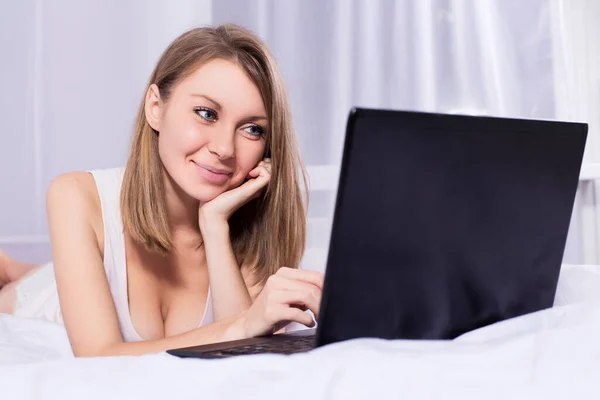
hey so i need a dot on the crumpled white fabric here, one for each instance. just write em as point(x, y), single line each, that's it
point(551, 354)
point(37, 296)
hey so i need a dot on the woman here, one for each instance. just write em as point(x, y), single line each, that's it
point(185, 245)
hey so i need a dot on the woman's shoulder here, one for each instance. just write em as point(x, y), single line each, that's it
point(83, 185)
point(76, 194)
point(76, 191)
point(77, 185)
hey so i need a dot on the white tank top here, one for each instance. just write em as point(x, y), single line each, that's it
point(37, 295)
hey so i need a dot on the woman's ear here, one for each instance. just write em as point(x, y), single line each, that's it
point(153, 107)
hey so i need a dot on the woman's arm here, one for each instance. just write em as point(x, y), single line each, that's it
point(221, 331)
point(229, 292)
point(228, 289)
point(86, 302)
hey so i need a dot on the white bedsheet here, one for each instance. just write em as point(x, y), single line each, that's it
point(552, 354)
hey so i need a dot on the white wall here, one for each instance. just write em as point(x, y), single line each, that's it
point(72, 74)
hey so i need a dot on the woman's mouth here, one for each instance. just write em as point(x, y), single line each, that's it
point(212, 174)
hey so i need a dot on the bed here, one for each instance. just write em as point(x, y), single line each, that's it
point(551, 354)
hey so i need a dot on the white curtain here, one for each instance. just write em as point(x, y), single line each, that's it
point(464, 56)
point(74, 71)
point(576, 61)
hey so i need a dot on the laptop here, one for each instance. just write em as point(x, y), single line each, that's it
point(443, 224)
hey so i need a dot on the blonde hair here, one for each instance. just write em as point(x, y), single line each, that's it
point(266, 233)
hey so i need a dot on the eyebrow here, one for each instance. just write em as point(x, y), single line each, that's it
point(254, 119)
point(219, 107)
point(214, 102)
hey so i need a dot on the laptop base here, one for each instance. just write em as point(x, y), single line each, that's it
point(284, 343)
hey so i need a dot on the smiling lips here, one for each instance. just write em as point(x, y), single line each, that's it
point(211, 174)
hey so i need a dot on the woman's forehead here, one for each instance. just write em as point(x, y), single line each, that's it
point(224, 83)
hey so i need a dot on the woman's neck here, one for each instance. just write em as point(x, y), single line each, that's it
point(182, 212)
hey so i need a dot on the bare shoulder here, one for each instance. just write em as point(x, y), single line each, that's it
point(76, 193)
point(76, 184)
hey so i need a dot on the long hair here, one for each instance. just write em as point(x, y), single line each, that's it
point(266, 233)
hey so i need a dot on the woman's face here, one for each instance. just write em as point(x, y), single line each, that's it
point(211, 130)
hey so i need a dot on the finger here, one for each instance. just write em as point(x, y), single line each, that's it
point(242, 194)
point(257, 188)
point(260, 169)
point(286, 283)
point(255, 183)
point(265, 163)
point(299, 298)
point(314, 277)
point(245, 192)
point(291, 314)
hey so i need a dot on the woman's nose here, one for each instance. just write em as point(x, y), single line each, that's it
point(222, 145)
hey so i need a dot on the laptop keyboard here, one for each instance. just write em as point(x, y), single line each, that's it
point(293, 345)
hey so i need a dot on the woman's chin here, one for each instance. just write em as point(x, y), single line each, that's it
point(204, 193)
point(204, 196)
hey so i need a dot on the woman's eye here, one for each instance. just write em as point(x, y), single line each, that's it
point(255, 130)
point(207, 114)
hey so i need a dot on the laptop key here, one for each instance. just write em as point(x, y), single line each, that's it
point(297, 345)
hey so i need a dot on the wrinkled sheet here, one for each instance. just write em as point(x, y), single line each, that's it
point(551, 354)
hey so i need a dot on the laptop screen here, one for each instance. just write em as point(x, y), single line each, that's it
point(445, 223)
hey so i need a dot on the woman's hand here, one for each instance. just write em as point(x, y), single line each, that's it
point(225, 204)
point(230, 295)
point(284, 298)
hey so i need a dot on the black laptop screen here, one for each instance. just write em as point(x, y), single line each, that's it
point(447, 223)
